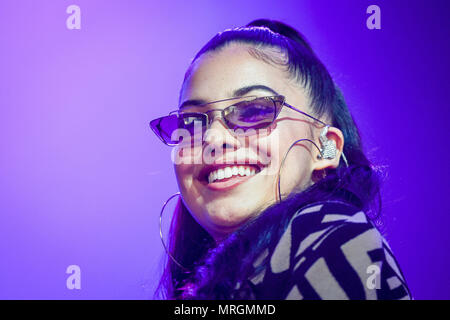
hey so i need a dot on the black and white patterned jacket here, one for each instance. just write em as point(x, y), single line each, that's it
point(330, 250)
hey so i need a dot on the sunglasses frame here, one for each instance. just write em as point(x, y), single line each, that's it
point(279, 102)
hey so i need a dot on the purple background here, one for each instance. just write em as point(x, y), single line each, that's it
point(82, 178)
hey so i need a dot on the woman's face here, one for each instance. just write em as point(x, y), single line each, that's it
point(224, 205)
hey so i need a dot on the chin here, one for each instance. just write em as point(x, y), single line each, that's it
point(227, 218)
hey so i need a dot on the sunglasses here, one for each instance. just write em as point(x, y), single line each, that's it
point(251, 113)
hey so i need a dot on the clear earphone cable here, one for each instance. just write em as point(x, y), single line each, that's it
point(321, 151)
point(284, 158)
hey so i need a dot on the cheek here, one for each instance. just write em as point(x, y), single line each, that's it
point(296, 168)
point(273, 145)
point(184, 175)
point(187, 154)
point(291, 133)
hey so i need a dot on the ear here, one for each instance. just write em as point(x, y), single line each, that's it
point(335, 135)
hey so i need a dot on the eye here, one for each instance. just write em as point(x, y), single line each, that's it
point(256, 111)
point(258, 108)
point(190, 120)
point(229, 111)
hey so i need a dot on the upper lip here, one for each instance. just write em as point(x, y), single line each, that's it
point(207, 169)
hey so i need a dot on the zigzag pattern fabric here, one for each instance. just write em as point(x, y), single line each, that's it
point(330, 250)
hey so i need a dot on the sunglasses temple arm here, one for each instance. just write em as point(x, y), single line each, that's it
point(293, 108)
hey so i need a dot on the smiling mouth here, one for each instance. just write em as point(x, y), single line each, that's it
point(221, 177)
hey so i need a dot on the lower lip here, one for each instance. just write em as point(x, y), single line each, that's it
point(228, 184)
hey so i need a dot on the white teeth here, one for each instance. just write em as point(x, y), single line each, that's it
point(220, 174)
point(228, 172)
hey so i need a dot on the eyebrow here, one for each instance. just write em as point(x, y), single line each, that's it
point(237, 93)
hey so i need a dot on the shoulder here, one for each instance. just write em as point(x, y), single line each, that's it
point(313, 225)
point(330, 249)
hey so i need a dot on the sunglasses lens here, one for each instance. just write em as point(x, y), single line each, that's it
point(255, 114)
point(175, 129)
point(187, 128)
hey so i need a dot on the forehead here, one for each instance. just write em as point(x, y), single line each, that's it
point(216, 75)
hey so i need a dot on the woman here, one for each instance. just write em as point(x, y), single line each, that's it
point(277, 199)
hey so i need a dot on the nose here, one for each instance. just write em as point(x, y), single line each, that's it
point(218, 139)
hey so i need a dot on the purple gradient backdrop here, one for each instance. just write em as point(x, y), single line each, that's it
point(83, 178)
